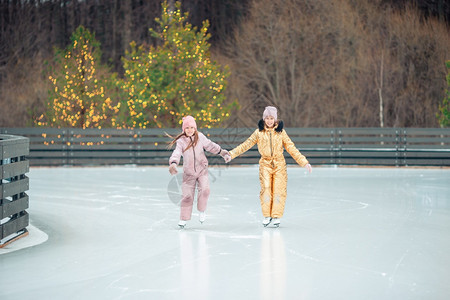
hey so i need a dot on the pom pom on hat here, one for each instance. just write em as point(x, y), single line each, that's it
point(189, 121)
point(270, 111)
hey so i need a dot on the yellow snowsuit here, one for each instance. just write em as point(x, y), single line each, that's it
point(272, 165)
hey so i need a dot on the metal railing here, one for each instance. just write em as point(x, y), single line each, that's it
point(13, 199)
point(324, 146)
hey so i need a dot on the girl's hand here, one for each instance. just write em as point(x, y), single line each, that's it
point(309, 168)
point(227, 158)
point(173, 169)
point(225, 155)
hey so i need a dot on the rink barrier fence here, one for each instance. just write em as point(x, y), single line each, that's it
point(14, 183)
point(322, 146)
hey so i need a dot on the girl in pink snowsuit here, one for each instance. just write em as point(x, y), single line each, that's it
point(191, 145)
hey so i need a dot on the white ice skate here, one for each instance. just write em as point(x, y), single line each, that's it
point(266, 221)
point(202, 217)
point(182, 224)
point(276, 222)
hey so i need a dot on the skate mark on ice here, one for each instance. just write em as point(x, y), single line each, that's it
point(334, 264)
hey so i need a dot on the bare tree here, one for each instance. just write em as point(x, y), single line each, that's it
point(363, 64)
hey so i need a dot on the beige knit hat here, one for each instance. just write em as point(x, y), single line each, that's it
point(270, 111)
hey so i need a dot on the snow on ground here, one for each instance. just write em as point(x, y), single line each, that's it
point(347, 233)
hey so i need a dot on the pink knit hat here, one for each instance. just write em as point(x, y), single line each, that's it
point(189, 121)
point(270, 111)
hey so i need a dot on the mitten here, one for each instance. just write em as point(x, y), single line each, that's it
point(224, 152)
point(173, 169)
point(227, 158)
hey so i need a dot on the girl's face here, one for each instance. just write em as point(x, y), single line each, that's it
point(269, 120)
point(189, 131)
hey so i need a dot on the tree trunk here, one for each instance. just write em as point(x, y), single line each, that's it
point(380, 90)
point(127, 24)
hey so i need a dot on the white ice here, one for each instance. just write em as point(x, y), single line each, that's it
point(347, 233)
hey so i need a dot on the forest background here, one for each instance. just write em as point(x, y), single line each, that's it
point(323, 63)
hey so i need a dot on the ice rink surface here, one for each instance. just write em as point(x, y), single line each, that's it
point(347, 233)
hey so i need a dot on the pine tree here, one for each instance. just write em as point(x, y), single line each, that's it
point(175, 78)
point(79, 97)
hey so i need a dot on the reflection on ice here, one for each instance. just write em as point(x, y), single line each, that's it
point(347, 233)
point(273, 265)
point(194, 265)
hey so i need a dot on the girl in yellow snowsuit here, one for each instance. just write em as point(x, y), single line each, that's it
point(271, 138)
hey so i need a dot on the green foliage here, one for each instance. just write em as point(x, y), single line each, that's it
point(82, 86)
point(444, 108)
point(161, 84)
point(176, 77)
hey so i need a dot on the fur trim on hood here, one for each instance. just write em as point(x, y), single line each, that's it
point(278, 128)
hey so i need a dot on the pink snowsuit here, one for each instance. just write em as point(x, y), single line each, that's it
point(195, 170)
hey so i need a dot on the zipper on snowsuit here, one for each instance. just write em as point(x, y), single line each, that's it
point(195, 169)
point(271, 149)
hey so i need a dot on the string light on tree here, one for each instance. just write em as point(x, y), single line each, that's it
point(176, 77)
point(80, 85)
